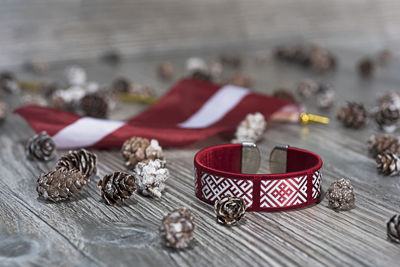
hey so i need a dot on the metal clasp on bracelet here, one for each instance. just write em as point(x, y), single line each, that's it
point(251, 158)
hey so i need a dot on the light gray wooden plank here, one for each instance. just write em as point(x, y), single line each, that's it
point(84, 231)
point(62, 30)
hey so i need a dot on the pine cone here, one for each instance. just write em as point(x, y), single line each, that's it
point(388, 118)
point(283, 93)
point(201, 75)
point(60, 184)
point(112, 57)
point(393, 228)
point(138, 149)
point(388, 163)
point(390, 98)
point(340, 195)
point(82, 160)
point(40, 147)
point(165, 70)
point(3, 111)
point(117, 187)
point(307, 88)
point(229, 210)
point(250, 129)
point(353, 115)
point(9, 83)
point(325, 96)
point(382, 144)
point(121, 85)
point(366, 67)
point(241, 80)
point(94, 105)
point(33, 99)
point(151, 176)
point(177, 228)
point(321, 60)
point(75, 75)
point(231, 59)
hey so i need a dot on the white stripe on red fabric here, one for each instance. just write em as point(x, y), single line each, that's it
point(85, 132)
point(216, 107)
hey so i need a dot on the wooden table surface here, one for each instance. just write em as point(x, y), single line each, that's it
point(86, 232)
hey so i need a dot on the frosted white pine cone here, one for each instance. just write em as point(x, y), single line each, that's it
point(75, 75)
point(151, 176)
point(71, 95)
point(250, 129)
point(196, 64)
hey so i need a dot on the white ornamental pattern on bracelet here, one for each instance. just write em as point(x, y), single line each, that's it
point(316, 181)
point(283, 192)
point(215, 187)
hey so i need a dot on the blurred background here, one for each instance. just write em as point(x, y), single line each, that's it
point(55, 30)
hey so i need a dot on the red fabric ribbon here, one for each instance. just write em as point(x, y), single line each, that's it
point(191, 111)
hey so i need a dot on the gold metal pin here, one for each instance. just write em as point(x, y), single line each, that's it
point(306, 118)
point(29, 85)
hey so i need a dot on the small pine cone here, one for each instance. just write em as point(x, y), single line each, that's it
point(94, 105)
point(284, 53)
point(388, 118)
point(307, 88)
point(201, 75)
point(82, 160)
point(340, 195)
point(9, 83)
point(250, 129)
point(138, 149)
point(302, 55)
point(165, 70)
point(3, 111)
point(229, 210)
point(325, 99)
point(390, 98)
point(231, 59)
point(75, 75)
point(216, 70)
point(382, 144)
point(40, 147)
point(195, 63)
point(117, 187)
point(121, 85)
point(393, 228)
point(33, 99)
point(60, 184)
point(321, 60)
point(366, 67)
point(241, 80)
point(36, 66)
point(353, 115)
point(151, 176)
point(177, 228)
point(384, 56)
point(112, 57)
point(283, 93)
point(388, 164)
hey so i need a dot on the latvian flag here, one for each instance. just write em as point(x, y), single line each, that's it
point(191, 111)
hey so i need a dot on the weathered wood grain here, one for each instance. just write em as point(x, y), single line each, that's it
point(86, 232)
point(61, 30)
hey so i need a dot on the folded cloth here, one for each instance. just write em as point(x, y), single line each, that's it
point(191, 111)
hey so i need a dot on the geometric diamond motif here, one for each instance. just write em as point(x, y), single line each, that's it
point(316, 181)
point(283, 192)
point(215, 187)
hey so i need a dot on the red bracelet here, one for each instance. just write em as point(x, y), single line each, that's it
point(227, 170)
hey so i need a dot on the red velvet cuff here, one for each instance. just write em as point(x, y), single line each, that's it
point(218, 172)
